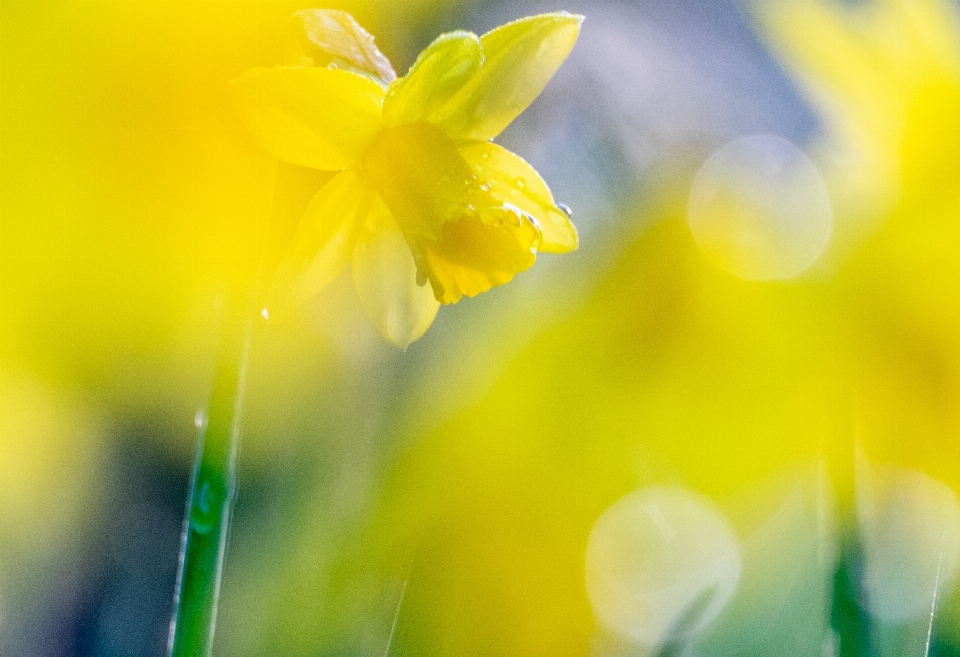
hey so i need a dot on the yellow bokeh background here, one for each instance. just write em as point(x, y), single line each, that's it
point(457, 480)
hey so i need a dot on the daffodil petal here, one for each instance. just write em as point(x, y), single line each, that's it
point(325, 240)
point(479, 252)
point(514, 181)
point(330, 36)
point(385, 276)
point(519, 58)
point(314, 117)
point(440, 71)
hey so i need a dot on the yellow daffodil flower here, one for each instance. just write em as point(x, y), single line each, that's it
point(421, 193)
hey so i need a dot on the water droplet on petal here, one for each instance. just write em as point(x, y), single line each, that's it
point(332, 66)
point(565, 209)
point(516, 215)
point(485, 156)
point(485, 186)
point(521, 183)
point(532, 220)
point(265, 314)
point(200, 418)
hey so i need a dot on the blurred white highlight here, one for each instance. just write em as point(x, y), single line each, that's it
point(661, 564)
point(910, 523)
point(759, 208)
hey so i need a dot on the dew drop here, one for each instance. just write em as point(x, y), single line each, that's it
point(332, 66)
point(565, 209)
point(485, 186)
point(205, 506)
point(485, 156)
point(521, 183)
point(514, 213)
point(265, 314)
point(199, 419)
point(203, 500)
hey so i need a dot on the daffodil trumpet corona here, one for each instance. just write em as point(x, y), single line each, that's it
point(421, 194)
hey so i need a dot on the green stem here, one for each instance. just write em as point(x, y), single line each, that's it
point(213, 484)
point(212, 491)
point(850, 623)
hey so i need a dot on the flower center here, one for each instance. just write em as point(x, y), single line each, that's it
point(423, 179)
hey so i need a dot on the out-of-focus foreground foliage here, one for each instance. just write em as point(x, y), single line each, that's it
point(628, 444)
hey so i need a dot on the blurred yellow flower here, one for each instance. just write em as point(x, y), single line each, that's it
point(421, 193)
point(886, 74)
